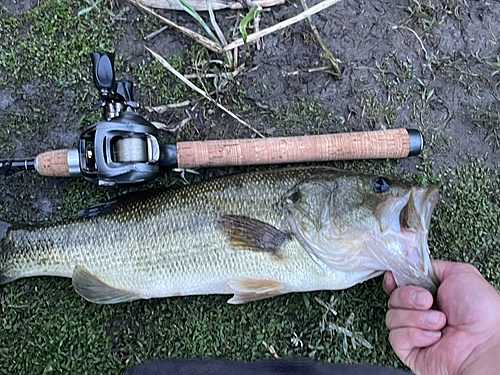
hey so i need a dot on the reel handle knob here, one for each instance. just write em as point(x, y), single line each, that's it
point(103, 71)
point(125, 90)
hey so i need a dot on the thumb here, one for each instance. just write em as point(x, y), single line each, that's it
point(444, 269)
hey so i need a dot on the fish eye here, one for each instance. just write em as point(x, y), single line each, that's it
point(380, 184)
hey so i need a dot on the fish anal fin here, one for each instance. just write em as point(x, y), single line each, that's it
point(245, 233)
point(247, 289)
point(93, 289)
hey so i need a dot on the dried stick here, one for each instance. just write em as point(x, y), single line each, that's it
point(212, 46)
point(155, 33)
point(200, 91)
point(328, 54)
point(253, 37)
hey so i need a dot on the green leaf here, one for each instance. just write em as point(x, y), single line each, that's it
point(254, 12)
point(185, 6)
point(84, 10)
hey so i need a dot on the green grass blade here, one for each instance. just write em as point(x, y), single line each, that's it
point(185, 6)
point(254, 12)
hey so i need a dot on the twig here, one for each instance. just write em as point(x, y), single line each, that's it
point(318, 69)
point(253, 37)
point(219, 32)
point(155, 33)
point(271, 349)
point(328, 54)
point(162, 126)
point(211, 45)
point(166, 107)
point(415, 33)
point(200, 91)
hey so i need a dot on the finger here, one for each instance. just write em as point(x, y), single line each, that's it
point(405, 340)
point(389, 284)
point(432, 320)
point(410, 298)
point(443, 269)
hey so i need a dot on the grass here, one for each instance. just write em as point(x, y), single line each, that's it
point(50, 40)
point(488, 117)
point(154, 81)
point(298, 116)
point(46, 328)
point(43, 50)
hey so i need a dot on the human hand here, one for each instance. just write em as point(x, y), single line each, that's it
point(459, 334)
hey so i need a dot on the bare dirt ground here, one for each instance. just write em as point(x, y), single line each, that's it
point(433, 65)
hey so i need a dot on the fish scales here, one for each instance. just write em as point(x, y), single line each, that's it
point(173, 243)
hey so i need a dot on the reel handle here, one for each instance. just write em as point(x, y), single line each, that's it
point(125, 89)
point(103, 71)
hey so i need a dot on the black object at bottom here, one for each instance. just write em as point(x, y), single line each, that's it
point(8, 167)
point(266, 367)
point(416, 142)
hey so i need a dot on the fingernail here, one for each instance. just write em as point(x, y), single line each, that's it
point(419, 298)
point(432, 334)
point(432, 317)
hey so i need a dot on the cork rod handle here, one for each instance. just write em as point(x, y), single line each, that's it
point(53, 163)
point(381, 144)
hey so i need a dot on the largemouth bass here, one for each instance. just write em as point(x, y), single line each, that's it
point(253, 235)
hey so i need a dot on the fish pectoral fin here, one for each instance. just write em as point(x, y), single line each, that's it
point(93, 289)
point(246, 233)
point(246, 290)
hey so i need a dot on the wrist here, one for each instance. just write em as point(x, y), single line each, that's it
point(484, 360)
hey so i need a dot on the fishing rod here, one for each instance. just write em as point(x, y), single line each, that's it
point(124, 148)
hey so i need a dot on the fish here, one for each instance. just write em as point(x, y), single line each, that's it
point(253, 235)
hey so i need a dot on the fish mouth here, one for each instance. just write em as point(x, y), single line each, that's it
point(416, 214)
point(414, 222)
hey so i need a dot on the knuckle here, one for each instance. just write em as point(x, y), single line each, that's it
point(389, 319)
point(393, 338)
point(398, 339)
point(395, 298)
point(406, 295)
point(403, 298)
point(413, 335)
point(470, 268)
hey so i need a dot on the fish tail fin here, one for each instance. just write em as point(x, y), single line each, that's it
point(4, 279)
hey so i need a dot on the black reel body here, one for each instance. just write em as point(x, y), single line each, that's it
point(124, 150)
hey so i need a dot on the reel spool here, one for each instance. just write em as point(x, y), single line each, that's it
point(130, 150)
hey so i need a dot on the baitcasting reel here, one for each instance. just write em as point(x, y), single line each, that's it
point(124, 149)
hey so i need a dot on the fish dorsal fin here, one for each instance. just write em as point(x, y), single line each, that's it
point(93, 289)
point(247, 289)
point(245, 233)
